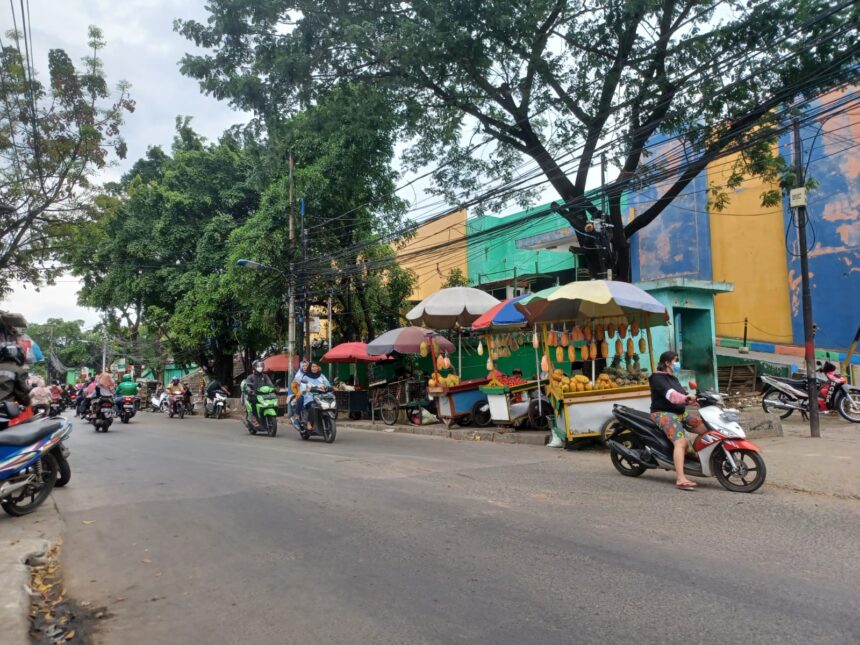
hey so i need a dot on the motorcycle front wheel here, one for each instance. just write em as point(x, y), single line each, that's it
point(849, 407)
point(775, 396)
point(750, 475)
point(272, 425)
point(182, 412)
point(329, 431)
point(29, 498)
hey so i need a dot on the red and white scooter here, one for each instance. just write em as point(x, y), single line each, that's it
point(637, 444)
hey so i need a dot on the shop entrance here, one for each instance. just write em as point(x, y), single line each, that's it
point(694, 340)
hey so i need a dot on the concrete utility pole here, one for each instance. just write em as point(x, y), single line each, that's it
point(306, 307)
point(798, 202)
point(104, 349)
point(330, 366)
point(291, 287)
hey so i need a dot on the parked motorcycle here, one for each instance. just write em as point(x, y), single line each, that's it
point(29, 469)
point(216, 407)
point(158, 403)
point(127, 409)
point(263, 416)
point(785, 395)
point(723, 451)
point(101, 413)
point(176, 406)
point(323, 409)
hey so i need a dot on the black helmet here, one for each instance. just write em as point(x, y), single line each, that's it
point(12, 352)
point(175, 380)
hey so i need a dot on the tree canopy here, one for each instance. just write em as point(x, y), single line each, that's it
point(556, 82)
point(53, 138)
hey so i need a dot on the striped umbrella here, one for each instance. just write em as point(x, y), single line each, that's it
point(591, 299)
point(504, 314)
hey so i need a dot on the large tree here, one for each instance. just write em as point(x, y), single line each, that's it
point(53, 138)
point(554, 81)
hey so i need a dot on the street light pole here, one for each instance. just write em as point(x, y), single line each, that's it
point(291, 333)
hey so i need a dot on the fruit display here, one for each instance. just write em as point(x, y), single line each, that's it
point(612, 378)
point(443, 381)
point(497, 379)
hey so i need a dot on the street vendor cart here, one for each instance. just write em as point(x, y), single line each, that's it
point(597, 330)
point(354, 402)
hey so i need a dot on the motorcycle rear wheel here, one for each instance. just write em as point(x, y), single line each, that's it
point(848, 409)
point(65, 472)
point(37, 493)
point(729, 480)
point(329, 431)
point(774, 396)
point(622, 464)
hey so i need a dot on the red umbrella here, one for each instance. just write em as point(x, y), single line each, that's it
point(351, 353)
point(280, 363)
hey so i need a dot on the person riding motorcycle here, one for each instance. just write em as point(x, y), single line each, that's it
point(126, 387)
point(40, 396)
point(256, 379)
point(314, 378)
point(102, 385)
point(186, 396)
point(13, 375)
point(297, 400)
point(175, 387)
point(214, 387)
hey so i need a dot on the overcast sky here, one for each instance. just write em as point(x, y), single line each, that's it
point(142, 49)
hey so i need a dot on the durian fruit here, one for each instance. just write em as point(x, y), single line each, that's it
point(559, 354)
point(610, 330)
point(587, 333)
point(571, 353)
point(424, 349)
point(642, 345)
point(592, 350)
point(630, 347)
point(604, 349)
point(480, 348)
point(583, 351)
point(619, 347)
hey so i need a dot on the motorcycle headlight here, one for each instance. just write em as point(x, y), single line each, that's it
point(730, 415)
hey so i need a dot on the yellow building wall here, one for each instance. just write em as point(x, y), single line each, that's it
point(748, 249)
point(430, 264)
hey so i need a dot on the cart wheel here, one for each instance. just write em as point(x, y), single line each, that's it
point(481, 414)
point(389, 410)
point(539, 414)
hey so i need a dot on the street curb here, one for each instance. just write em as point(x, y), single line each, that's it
point(458, 434)
point(15, 588)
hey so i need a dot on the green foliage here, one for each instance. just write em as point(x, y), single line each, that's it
point(456, 278)
point(74, 346)
point(550, 80)
point(53, 138)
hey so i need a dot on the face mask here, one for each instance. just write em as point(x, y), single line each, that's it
point(259, 370)
point(676, 367)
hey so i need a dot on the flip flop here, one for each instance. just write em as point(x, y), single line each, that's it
point(687, 486)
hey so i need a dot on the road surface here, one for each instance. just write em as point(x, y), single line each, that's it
point(193, 531)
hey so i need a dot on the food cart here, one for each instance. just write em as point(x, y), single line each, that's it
point(512, 400)
point(604, 326)
point(388, 398)
point(353, 402)
point(455, 309)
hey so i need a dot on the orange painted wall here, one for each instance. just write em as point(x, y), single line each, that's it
point(748, 250)
point(431, 265)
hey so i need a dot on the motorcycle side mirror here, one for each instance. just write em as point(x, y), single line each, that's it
point(693, 385)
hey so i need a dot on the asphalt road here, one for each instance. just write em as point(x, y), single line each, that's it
point(193, 531)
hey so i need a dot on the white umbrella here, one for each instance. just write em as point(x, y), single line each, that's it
point(452, 308)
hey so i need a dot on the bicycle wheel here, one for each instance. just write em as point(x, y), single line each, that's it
point(389, 410)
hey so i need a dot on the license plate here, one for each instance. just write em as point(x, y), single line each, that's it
point(128, 406)
point(107, 413)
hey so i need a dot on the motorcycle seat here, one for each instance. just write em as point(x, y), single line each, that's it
point(27, 433)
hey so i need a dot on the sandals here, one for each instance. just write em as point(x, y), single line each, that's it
point(686, 486)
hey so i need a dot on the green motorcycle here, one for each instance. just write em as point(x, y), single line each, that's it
point(264, 412)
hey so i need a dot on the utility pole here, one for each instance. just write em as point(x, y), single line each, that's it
point(798, 201)
point(329, 332)
point(104, 349)
point(306, 307)
point(291, 287)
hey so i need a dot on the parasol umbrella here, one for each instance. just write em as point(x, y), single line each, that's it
point(504, 314)
point(591, 299)
point(351, 353)
point(451, 307)
point(279, 363)
point(406, 340)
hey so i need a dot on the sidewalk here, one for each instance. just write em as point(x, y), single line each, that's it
point(828, 465)
point(22, 538)
point(469, 433)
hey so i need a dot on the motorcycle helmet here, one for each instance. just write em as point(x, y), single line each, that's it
point(175, 380)
point(258, 367)
point(12, 352)
point(127, 377)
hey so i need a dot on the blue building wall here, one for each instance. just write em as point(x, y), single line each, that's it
point(833, 233)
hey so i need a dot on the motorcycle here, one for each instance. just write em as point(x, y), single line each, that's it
point(323, 407)
point(637, 444)
point(101, 413)
point(29, 468)
point(158, 403)
point(127, 408)
point(785, 395)
point(216, 407)
point(176, 406)
point(262, 416)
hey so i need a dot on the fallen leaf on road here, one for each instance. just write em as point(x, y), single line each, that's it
point(146, 561)
point(88, 522)
point(70, 635)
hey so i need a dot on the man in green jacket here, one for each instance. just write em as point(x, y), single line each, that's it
point(127, 387)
